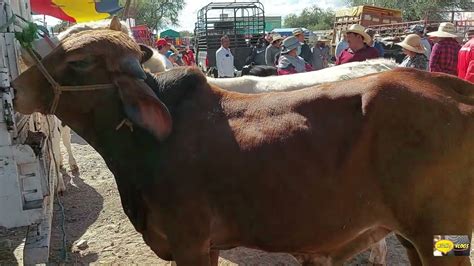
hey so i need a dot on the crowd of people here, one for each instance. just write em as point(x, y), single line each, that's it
point(172, 56)
point(437, 51)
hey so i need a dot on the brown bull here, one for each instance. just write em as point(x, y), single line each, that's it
point(323, 171)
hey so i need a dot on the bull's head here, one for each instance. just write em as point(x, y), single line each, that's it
point(89, 58)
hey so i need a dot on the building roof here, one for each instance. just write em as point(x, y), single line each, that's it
point(169, 33)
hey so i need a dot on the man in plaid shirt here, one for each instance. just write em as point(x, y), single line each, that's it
point(444, 56)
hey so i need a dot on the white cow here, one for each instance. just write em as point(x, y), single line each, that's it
point(253, 84)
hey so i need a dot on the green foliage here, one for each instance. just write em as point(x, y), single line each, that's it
point(418, 9)
point(186, 33)
point(312, 18)
point(156, 14)
point(27, 35)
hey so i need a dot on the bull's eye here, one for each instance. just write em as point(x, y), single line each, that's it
point(83, 64)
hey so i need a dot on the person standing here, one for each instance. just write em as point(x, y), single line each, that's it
point(466, 59)
point(341, 45)
point(273, 50)
point(374, 43)
point(257, 56)
point(415, 52)
point(358, 49)
point(320, 54)
point(305, 49)
point(444, 56)
point(225, 59)
point(289, 61)
point(163, 48)
point(420, 30)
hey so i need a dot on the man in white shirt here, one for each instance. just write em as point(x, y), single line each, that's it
point(225, 59)
point(163, 48)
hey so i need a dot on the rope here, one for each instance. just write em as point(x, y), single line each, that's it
point(61, 206)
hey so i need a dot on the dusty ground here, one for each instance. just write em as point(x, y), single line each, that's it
point(93, 213)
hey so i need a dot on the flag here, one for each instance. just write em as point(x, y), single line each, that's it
point(76, 10)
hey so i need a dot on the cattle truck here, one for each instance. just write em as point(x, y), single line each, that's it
point(27, 170)
point(243, 22)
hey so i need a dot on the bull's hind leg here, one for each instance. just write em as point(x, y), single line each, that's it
point(214, 257)
point(446, 222)
point(378, 253)
point(412, 254)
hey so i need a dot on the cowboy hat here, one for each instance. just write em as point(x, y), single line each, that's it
point(276, 37)
point(298, 31)
point(412, 43)
point(445, 30)
point(323, 39)
point(289, 44)
point(359, 29)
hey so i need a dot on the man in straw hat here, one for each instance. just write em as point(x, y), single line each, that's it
point(466, 58)
point(444, 56)
point(320, 53)
point(273, 50)
point(305, 49)
point(358, 50)
point(289, 61)
point(415, 52)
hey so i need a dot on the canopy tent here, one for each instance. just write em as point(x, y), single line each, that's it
point(77, 10)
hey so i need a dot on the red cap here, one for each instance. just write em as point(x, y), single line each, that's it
point(162, 42)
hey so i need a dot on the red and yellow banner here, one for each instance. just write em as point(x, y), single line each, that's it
point(76, 10)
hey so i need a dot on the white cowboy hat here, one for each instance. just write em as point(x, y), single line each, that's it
point(289, 44)
point(412, 43)
point(445, 30)
point(359, 29)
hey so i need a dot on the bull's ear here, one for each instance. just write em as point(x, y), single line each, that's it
point(143, 108)
point(115, 24)
point(147, 52)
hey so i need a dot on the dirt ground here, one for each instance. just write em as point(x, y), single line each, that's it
point(93, 213)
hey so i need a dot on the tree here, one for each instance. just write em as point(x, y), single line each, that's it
point(186, 33)
point(419, 9)
point(312, 18)
point(156, 14)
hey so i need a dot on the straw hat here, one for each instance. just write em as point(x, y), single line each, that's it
point(412, 43)
point(289, 44)
point(323, 39)
point(359, 29)
point(445, 30)
point(298, 31)
point(276, 37)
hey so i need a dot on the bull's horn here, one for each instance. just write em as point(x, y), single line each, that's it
point(115, 24)
point(131, 65)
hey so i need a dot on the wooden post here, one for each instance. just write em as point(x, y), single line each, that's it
point(126, 10)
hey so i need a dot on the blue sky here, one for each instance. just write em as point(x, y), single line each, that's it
point(272, 8)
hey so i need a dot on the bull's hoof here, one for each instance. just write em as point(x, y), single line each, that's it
point(62, 170)
point(75, 171)
point(60, 189)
